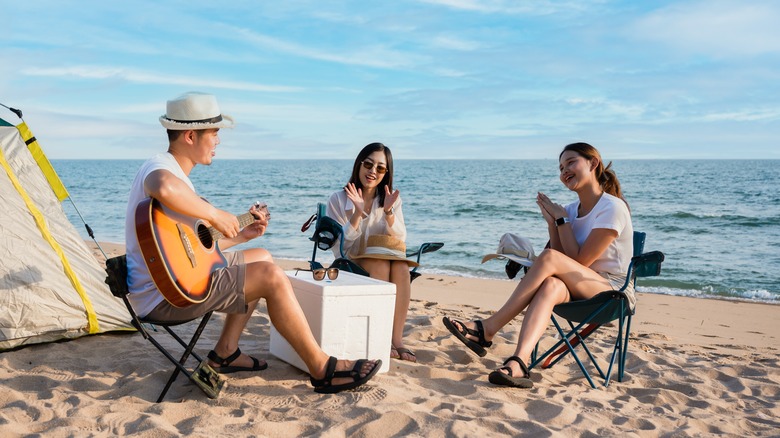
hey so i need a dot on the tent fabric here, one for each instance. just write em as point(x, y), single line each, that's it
point(51, 285)
point(43, 162)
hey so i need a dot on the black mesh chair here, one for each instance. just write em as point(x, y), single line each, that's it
point(203, 375)
point(328, 232)
point(592, 314)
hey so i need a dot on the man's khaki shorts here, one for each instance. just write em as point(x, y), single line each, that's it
point(226, 294)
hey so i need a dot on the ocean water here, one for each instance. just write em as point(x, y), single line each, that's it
point(717, 221)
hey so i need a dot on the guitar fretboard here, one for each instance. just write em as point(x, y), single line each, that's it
point(243, 220)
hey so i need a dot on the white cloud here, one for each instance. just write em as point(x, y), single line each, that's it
point(515, 7)
point(141, 77)
point(469, 5)
point(455, 43)
point(744, 116)
point(714, 28)
point(375, 56)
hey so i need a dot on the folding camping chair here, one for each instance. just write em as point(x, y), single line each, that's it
point(203, 375)
point(327, 232)
point(592, 314)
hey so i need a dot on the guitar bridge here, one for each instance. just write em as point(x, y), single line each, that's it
point(185, 241)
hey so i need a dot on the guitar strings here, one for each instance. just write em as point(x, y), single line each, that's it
point(206, 231)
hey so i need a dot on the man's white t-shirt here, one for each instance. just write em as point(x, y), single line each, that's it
point(612, 213)
point(144, 295)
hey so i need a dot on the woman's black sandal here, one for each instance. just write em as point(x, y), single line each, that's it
point(475, 346)
point(507, 379)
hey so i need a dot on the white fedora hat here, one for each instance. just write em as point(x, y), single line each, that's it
point(513, 247)
point(194, 110)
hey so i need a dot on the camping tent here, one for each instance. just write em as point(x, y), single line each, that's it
point(51, 286)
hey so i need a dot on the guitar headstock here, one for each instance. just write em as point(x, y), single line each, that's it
point(260, 207)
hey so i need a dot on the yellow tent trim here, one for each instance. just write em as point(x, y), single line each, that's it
point(43, 162)
point(92, 322)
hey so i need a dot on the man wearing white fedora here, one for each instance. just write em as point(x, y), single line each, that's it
point(240, 278)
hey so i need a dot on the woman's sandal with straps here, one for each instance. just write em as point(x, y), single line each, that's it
point(477, 346)
point(326, 386)
point(224, 366)
point(399, 352)
point(507, 379)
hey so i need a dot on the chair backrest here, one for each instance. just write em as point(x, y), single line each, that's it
point(643, 264)
point(326, 232)
point(116, 278)
point(639, 242)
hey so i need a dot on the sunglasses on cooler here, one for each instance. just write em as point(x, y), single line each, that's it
point(319, 273)
point(368, 165)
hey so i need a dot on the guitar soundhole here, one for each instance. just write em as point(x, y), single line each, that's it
point(205, 236)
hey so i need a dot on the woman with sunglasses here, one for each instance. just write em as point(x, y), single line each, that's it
point(591, 244)
point(369, 206)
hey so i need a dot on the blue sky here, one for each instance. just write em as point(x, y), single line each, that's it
point(432, 79)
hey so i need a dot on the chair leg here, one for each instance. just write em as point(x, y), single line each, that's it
point(560, 350)
point(576, 358)
point(581, 334)
point(581, 341)
point(617, 352)
point(621, 346)
point(624, 350)
point(185, 345)
point(609, 306)
point(187, 352)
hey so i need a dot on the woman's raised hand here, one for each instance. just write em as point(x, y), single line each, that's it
point(390, 198)
point(356, 196)
point(550, 210)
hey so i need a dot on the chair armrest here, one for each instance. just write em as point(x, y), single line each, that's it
point(424, 249)
point(648, 264)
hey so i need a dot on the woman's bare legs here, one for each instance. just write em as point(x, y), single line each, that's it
point(552, 292)
point(396, 272)
point(399, 275)
point(547, 283)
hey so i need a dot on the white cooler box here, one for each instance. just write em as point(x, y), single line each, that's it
point(350, 317)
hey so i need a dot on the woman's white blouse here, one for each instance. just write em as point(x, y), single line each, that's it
point(341, 208)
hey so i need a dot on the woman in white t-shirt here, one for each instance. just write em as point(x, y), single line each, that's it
point(370, 213)
point(591, 244)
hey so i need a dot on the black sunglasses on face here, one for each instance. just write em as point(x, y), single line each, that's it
point(319, 273)
point(368, 165)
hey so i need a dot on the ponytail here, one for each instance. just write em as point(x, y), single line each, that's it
point(609, 181)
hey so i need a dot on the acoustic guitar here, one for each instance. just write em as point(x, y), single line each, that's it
point(180, 251)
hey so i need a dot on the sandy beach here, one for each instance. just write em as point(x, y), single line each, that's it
point(696, 367)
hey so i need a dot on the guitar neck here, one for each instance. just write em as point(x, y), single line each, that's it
point(243, 220)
